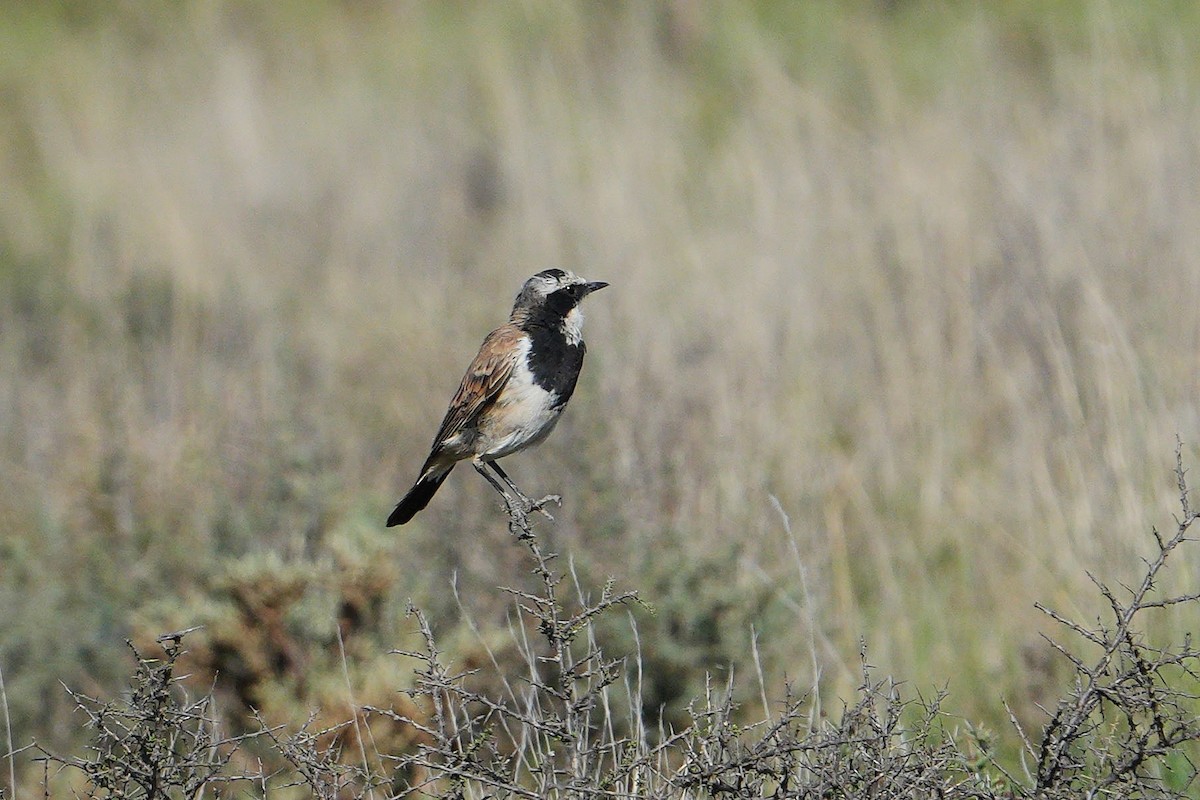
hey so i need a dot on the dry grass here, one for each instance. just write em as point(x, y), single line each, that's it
point(927, 276)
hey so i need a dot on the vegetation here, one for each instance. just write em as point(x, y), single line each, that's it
point(565, 725)
point(921, 276)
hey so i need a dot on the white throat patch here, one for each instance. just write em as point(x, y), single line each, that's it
point(572, 326)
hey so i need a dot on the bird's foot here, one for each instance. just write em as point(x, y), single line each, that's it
point(529, 505)
point(521, 507)
point(518, 518)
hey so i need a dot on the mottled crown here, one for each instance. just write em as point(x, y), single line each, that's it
point(554, 291)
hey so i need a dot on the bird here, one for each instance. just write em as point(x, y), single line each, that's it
point(513, 393)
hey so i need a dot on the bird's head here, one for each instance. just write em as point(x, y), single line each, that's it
point(552, 293)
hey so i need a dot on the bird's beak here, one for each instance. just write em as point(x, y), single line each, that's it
point(594, 286)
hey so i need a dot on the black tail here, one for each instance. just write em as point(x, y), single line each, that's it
point(418, 497)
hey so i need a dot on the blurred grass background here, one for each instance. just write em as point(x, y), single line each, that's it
point(927, 273)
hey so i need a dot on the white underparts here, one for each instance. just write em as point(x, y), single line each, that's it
point(523, 414)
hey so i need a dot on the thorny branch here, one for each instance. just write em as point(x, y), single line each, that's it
point(1129, 681)
point(1125, 726)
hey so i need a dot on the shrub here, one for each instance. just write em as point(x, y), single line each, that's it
point(570, 723)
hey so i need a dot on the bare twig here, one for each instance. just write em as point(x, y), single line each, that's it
point(1128, 680)
point(159, 743)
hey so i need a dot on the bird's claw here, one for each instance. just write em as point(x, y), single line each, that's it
point(518, 518)
point(520, 508)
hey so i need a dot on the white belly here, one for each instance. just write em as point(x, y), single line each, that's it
point(523, 415)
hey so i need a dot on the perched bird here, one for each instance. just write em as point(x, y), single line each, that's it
point(514, 390)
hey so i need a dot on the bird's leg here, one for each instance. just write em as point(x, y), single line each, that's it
point(508, 499)
point(516, 508)
point(509, 482)
point(530, 505)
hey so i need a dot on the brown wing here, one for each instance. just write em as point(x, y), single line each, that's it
point(485, 378)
